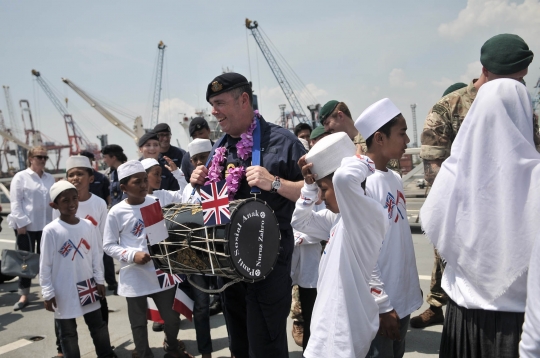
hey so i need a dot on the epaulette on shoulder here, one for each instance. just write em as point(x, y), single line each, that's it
point(439, 109)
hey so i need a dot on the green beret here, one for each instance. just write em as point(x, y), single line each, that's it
point(327, 109)
point(224, 83)
point(317, 132)
point(505, 54)
point(454, 87)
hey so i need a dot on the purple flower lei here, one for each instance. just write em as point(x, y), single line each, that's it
point(235, 175)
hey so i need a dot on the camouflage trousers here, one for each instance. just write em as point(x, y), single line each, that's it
point(437, 297)
point(296, 308)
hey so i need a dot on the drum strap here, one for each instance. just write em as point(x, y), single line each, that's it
point(219, 290)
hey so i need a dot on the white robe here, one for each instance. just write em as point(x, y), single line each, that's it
point(529, 347)
point(345, 316)
point(482, 212)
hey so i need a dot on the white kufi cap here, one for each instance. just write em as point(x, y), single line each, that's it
point(78, 161)
point(129, 168)
point(376, 116)
point(327, 154)
point(60, 186)
point(149, 163)
point(199, 145)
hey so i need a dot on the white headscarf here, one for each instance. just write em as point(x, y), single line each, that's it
point(483, 211)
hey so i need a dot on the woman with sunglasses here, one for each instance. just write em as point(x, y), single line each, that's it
point(30, 210)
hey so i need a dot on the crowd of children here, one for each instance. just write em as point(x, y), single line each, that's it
point(358, 289)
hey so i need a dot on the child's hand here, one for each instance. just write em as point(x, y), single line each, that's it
point(101, 290)
point(389, 325)
point(172, 165)
point(141, 258)
point(306, 172)
point(50, 304)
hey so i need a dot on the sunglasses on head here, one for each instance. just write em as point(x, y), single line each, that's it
point(41, 157)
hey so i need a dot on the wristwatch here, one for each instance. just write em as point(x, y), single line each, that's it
point(276, 184)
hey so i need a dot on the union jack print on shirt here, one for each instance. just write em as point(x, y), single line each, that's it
point(138, 228)
point(166, 279)
point(66, 248)
point(215, 203)
point(392, 203)
point(87, 291)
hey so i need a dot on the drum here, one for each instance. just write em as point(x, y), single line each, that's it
point(245, 249)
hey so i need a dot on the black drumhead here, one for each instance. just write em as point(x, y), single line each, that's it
point(254, 239)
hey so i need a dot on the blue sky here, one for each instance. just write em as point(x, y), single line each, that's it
point(354, 51)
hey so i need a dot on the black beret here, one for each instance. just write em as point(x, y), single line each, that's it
point(87, 154)
point(224, 83)
point(196, 124)
point(162, 127)
point(112, 148)
point(505, 54)
point(146, 137)
point(454, 87)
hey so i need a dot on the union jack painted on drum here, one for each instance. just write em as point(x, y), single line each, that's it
point(87, 291)
point(166, 279)
point(215, 204)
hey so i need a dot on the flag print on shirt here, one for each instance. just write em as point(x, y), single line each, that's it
point(138, 228)
point(167, 279)
point(88, 291)
point(92, 220)
point(391, 204)
point(66, 248)
point(69, 245)
point(215, 203)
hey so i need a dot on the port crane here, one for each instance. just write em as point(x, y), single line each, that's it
point(157, 85)
point(297, 109)
point(77, 142)
point(22, 150)
point(134, 133)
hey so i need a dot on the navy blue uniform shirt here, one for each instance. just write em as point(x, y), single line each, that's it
point(280, 152)
point(100, 186)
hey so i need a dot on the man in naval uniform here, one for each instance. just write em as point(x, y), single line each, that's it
point(256, 313)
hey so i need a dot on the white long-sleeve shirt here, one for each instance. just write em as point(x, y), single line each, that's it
point(125, 235)
point(66, 260)
point(345, 316)
point(30, 200)
point(396, 274)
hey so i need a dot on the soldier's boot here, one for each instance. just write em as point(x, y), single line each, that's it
point(433, 315)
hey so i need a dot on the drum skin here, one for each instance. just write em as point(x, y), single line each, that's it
point(254, 239)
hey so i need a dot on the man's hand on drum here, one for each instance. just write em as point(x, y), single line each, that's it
point(260, 177)
point(141, 257)
point(198, 176)
point(306, 170)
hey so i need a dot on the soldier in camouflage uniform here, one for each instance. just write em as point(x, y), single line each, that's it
point(440, 129)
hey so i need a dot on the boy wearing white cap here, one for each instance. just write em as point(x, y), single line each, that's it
point(345, 316)
point(71, 273)
point(91, 207)
point(199, 149)
point(125, 239)
point(395, 285)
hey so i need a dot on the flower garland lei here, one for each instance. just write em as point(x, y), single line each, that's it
point(235, 175)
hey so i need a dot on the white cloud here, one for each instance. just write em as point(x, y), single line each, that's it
point(473, 71)
point(496, 16)
point(443, 83)
point(170, 108)
point(397, 78)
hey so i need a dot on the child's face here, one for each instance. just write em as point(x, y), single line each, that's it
point(80, 178)
point(137, 186)
point(328, 194)
point(199, 159)
point(154, 177)
point(394, 146)
point(67, 202)
point(150, 149)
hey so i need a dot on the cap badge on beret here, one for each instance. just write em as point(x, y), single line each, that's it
point(216, 86)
